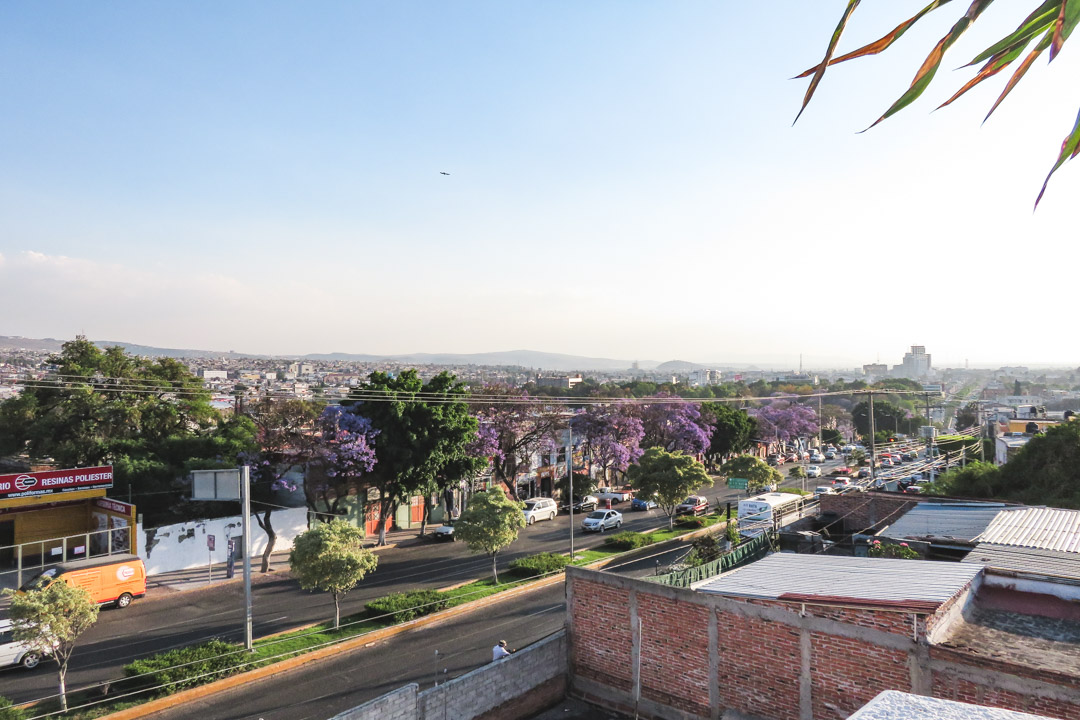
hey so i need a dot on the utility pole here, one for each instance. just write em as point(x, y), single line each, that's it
point(929, 440)
point(873, 471)
point(570, 481)
point(245, 528)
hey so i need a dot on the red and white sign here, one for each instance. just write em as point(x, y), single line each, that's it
point(114, 506)
point(125, 572)
point(55, 481)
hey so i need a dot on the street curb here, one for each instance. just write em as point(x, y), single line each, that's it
point(370, 638)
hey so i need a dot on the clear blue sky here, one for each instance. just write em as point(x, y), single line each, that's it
point(624, 182)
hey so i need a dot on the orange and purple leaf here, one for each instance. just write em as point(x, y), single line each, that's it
point(1069, 149)
point(819, 71)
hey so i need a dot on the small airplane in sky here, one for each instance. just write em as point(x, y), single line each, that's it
point(443, 173)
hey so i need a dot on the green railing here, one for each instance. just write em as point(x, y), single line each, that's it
point(747, 552)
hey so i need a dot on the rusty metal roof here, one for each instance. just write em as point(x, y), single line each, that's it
point(1033, 527)
point(910, 584)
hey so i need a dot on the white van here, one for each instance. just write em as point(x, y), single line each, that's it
point(16, 653)
point(540, 509)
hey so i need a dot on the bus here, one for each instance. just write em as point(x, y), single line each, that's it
point(764, 512)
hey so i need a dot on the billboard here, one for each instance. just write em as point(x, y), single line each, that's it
point(53, 482)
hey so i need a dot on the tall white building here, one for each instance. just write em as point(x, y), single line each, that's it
point(916, 363)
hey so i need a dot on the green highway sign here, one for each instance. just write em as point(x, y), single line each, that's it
point(738, 483)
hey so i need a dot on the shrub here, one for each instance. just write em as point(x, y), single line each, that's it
point(892, 550)
point(408, 605)
point(731, 532)
point(539, 564)
point(691, 521)
point(704, 549)
point(183, 668)
point(628, 540)
point(9, 711)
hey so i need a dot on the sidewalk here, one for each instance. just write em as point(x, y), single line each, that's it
point(200, 577)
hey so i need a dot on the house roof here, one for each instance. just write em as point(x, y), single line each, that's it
point(1031, 561)
point(880, 582)
point(958, 521)
point(896, 705)
point(1033, 527)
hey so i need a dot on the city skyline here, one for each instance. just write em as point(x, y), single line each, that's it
point(624, 182)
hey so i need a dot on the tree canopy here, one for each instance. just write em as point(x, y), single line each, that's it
point(733, 428)
point(53, 617)
point(759, 476)
point(330, 557)
point(668, 478)
point(490, 522)
point(1048, 26)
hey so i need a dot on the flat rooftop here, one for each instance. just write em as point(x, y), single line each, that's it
point(896, 705)
point(909, 584)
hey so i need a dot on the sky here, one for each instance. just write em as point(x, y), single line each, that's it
point(624, 181)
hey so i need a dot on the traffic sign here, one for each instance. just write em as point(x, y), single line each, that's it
point(210, 540)
point(738, 483)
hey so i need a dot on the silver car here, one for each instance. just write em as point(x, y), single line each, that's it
point(16, 653)
point(601, 520)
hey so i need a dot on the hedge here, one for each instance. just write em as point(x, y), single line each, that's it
point(628, 540)
point(409, 605)
point(539, 564)
point(181, 668)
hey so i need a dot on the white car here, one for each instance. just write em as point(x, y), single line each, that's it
point(540, 509)
point(16, 653)
point(817, 458)
point(813, 471)
point(823, 490)
point(614, 494)
point(601, 520)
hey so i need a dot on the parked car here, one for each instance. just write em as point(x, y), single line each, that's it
point(601, 520)
point(16, 653)
point(824, 490)
point(540, 509)
point(813, 471)
point(588, 503)
point(639, 503)
point(817, 458)
point(775, 460)
point(913, 489)
point(444, 531)
point(615, 495)
point(693, 505)
point(841, 482)
point(842, 470)
point(792, 457)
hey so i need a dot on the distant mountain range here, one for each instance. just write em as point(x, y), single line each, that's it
point(517, 358)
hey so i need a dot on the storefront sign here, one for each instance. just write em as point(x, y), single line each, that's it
point(55, 481)
point(114, 506)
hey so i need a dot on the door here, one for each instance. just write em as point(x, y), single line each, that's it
point(416, 510)
point(7, 541)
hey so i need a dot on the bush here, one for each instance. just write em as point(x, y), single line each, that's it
point(691, 521)
point(892, 550)
point(9, 711)
point(704, 549)
point(183, 668)
point(731, 532)
point(539, 564)
point(628, 540)
point(409, 605)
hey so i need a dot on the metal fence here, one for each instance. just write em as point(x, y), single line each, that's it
point(21, 562)
point(747, 552)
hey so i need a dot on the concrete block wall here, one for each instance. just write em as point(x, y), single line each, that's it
point(528, 681)
point(397, 705)
point(861, 511)
point(675, 653)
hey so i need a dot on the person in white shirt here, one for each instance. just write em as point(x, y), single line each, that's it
point(499, 651)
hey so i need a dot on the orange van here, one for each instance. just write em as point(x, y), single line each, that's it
point(115, 579)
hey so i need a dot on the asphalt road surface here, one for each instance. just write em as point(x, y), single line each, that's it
point(185, 618)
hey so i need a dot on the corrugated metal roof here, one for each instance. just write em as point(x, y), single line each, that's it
point(1035, 561)
point(896, 705)
point(960, 521)
point(1044, 528)
point(905, 583)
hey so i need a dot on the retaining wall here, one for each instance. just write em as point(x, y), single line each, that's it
point(528, 681)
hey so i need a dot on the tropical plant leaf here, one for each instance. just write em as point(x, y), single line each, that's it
point(1070, 147)
point(1034, 24)
point(990, 69)
point(933, 61)
point(881, 43)
point(1066, 23)
point(819, 72)
point(1055, 46)
point(1021, 69)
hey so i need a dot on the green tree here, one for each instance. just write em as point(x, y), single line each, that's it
point(490, 522)
point(331, 557)
point(8, 711)
point(1048, 26)
point(977, 479)
point(967, 416)
point(424, 433)
point(831, 436)
point(668, 477)
point(857, 458)
point(54, 617)
point(733, 429)
point(151, 419)
point(758, 475)
point(797, 471)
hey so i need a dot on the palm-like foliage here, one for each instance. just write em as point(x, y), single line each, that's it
point(1048, 27)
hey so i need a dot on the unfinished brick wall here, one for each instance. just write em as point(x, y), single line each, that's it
point(863, 510)
point(660, 646)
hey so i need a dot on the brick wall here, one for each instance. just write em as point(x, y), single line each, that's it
point(519, 686)
point(676, 653)
point(862, 510)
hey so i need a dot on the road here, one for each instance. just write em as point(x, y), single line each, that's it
point(179, 619)
point(321, 690)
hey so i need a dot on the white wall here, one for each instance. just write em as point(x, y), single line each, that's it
point(183, 545)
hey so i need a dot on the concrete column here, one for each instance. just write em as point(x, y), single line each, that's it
point(714, 666)
point(806, 680)
point(635, 646)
